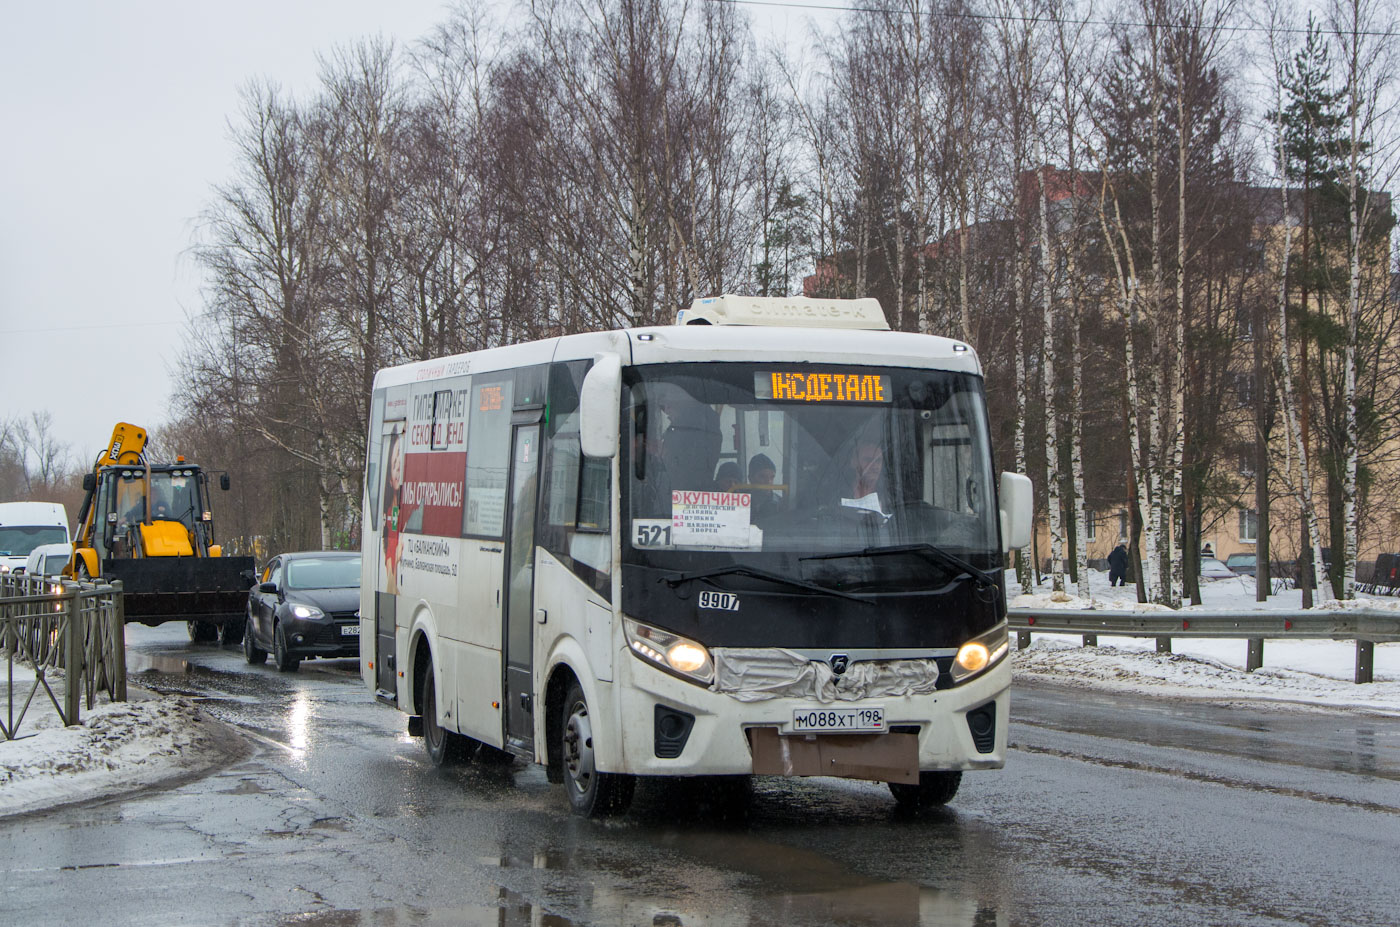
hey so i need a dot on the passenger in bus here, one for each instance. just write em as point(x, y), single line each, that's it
point(762, 474)
point(728, 476)
point(691, 442)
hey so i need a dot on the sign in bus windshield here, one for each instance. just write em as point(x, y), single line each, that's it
point(834, 387)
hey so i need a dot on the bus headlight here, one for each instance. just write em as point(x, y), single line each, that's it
point(981, 652)
point(671, 652)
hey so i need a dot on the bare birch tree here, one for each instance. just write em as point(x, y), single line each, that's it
point(1019, 75)
point(1302, 483)
point(254, 355)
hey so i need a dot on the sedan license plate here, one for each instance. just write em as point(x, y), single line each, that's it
point(839, 720)
point(349, 630)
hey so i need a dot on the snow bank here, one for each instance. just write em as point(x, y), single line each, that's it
point(117, 748)
point(1304, 672)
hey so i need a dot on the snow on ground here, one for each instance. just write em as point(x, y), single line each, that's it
point(121, 747)
point(118, 747)
point(1304, 672)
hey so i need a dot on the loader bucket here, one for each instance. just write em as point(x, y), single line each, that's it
point(159, 589)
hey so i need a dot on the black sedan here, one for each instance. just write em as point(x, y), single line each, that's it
point(307, 605)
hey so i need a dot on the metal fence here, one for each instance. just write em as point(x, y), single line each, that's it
point(1366, 626)
point(71, 634)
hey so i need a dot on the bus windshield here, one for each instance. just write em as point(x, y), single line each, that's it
point(827, 469)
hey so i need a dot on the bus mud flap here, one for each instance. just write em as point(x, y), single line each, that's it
point(878, 757)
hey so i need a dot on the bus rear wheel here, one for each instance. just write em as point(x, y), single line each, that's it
point(934, 789)
point(445, 748)
point(591, 793)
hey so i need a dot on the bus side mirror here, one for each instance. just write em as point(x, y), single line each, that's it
point(598, 405)
point(223, 482)
point(1017, 510)
point(89, 482)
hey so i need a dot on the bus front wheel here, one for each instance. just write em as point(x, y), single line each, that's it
point(591, 793)
point(934, 789)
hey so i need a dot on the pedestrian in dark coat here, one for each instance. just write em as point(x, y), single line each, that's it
point(1118, 565)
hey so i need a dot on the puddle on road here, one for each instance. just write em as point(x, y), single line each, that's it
point(512, 912)
point(246, 787)
point(138, 662)
point(789, 885)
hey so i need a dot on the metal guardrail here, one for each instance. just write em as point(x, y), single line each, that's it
point(1366, 626)
point(69, 632)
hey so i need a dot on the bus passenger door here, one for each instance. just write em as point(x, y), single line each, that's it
point(520, 583)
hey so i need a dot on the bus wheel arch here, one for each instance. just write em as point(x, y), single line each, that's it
point(561, 680)
point(422, 665)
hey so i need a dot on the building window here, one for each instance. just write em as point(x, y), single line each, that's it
point(1244, 389)
point(1091, 524)
point(1122, 524)
point(1244, 318)
point(1249, 526)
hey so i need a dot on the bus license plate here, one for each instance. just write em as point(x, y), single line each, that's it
point(839, 720)
point(349, 630)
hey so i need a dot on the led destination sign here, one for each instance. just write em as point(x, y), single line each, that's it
point(821, 387)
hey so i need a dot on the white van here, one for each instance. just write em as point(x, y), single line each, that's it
point(26, 525)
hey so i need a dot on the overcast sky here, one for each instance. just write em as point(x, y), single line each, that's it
point(115, 120)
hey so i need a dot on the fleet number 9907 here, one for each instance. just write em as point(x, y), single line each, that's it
point(839, 720)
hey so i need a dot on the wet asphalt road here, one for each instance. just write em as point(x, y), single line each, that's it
point(1112, 810)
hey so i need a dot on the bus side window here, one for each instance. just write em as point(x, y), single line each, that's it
point(373, 449)
point(593, 497)
point(488, 457)
point(577, 501)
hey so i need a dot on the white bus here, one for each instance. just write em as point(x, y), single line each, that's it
point(764, 540)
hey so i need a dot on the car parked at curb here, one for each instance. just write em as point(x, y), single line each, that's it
point(1243, 564)
point(1213, 569)
point(306, 605)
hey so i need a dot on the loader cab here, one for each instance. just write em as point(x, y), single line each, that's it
point(131, 499)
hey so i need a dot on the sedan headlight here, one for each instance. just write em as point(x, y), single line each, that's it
point(980, 653)
point(307, 611)
point(671, 652)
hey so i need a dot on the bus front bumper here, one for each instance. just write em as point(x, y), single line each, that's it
point(952, 729)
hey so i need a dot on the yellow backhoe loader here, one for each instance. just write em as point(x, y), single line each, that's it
point(151, 526)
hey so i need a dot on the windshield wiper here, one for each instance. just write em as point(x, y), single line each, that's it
point(736, 570)
point(937, 554)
